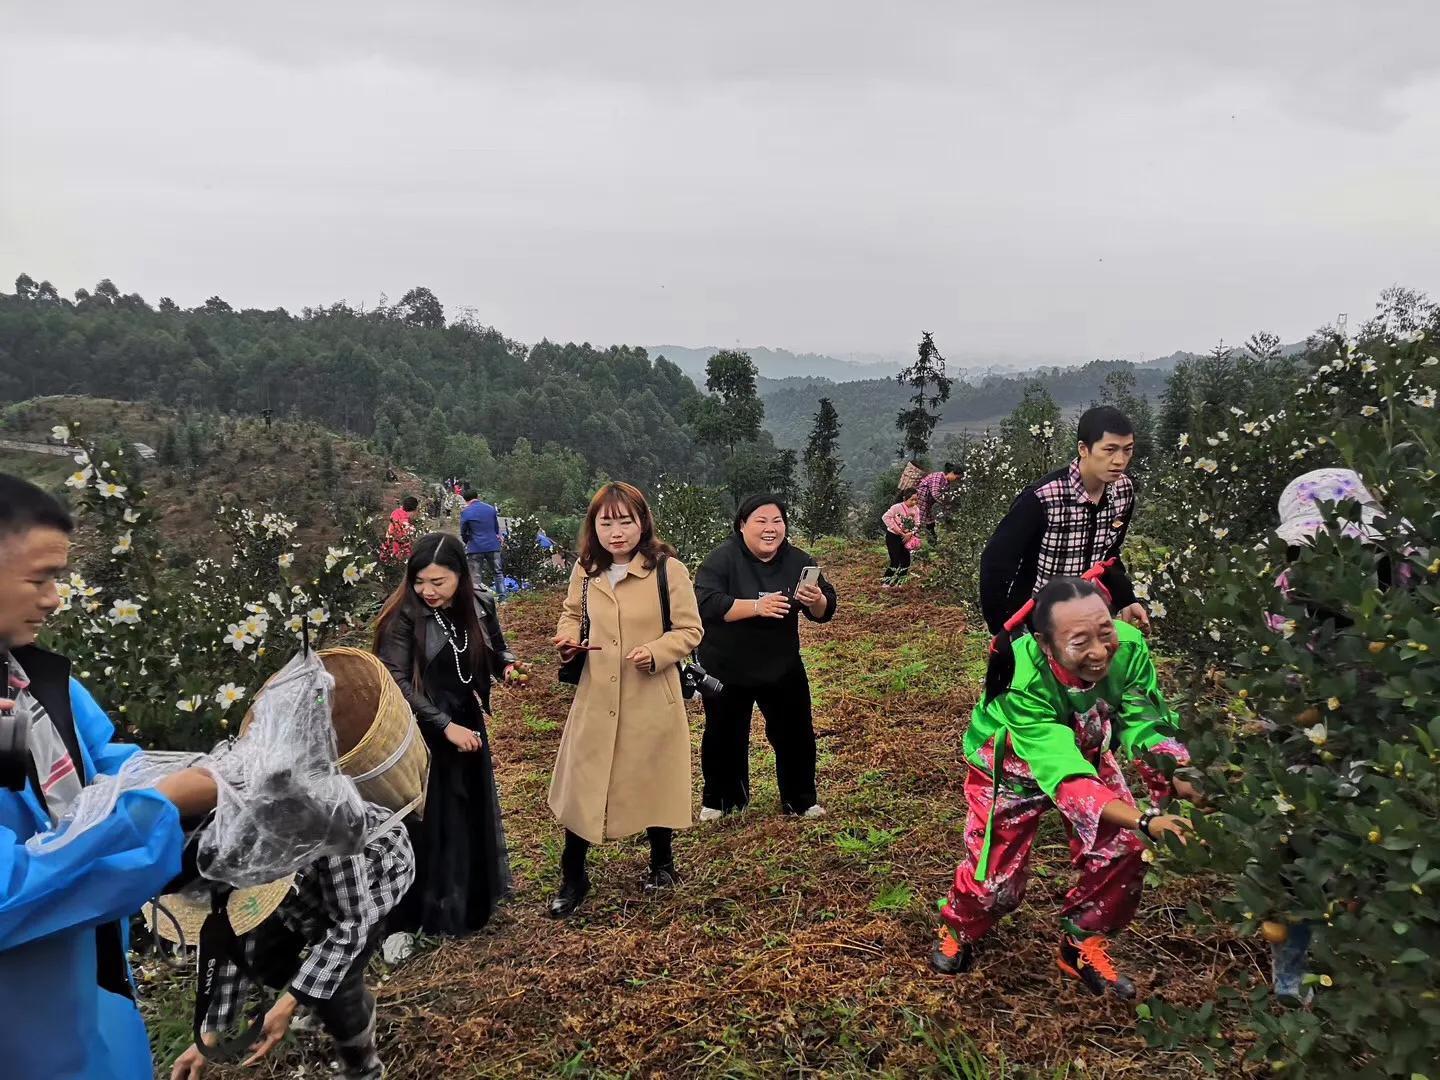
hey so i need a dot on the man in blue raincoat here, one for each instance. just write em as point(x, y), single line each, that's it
point(67, 1008)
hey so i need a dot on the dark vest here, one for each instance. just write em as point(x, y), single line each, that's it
point(49, 675)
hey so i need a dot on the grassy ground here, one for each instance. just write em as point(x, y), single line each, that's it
point(792, 948)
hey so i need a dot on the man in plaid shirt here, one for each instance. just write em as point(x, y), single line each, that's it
point(335, 911)
point(1065, 523)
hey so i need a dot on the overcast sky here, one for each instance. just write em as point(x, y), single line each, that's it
point(1050, 180)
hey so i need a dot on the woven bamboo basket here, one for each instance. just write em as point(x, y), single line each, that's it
point(380, 744)
point(911, 475)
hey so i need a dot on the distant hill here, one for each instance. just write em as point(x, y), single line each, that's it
point(776, 364)
point(869, 442)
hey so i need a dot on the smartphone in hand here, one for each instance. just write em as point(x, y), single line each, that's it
point(809, 575)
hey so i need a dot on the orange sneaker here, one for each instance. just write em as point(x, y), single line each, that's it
point(1088, 960)
point(950, 957)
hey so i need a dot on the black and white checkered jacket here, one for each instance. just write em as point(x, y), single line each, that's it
point(338, 904)
point(1053, 529)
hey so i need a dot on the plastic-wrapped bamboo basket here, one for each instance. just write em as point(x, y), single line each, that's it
point(380, 744)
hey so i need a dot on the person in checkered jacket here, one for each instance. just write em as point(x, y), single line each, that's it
point(316, 941)
point(1065, 523)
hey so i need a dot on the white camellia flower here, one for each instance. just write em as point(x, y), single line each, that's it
point(318, 616)
point(286, 560)
point(189, 704)
point(1184, 440)
point(1425, 400)
point(256, 625)
point(1221, 533)
point(111, 490)
point(1283, 805)
point(238, 637)
point(122, 545)
point(125, 611)
point(228, 695)
point(1317, 734)
point(1250, 427)
point(131, 516)
point(60, 433)
point(1157, 609)
point(351, 574)
point(78, 479)
point(334, 555)
point(1207, 464)
point(294, 624)
point(1368, 410)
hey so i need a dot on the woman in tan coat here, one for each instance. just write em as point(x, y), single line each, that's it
point(624, 761)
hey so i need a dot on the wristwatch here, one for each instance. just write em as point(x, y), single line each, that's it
point(1143, 825)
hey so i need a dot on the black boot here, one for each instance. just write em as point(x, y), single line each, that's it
point(574, 882)
point(571, 895)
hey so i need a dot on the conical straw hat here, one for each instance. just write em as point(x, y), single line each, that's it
point(182, 916)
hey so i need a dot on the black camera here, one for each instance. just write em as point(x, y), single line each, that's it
point(695, 681)
point(14, 737)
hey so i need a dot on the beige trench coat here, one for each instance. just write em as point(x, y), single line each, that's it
point(624, 761)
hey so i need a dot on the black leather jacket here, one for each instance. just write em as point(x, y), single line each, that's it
point(402, 637)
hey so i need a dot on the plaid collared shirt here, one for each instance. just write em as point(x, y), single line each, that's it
point(930, 487)
point(337, 905)
point(1053, 529)
point(1078, 532)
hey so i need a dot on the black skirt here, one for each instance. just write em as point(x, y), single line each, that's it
point(462, 866)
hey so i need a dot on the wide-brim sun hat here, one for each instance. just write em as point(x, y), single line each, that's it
point(183, 914)
point(1300, 514)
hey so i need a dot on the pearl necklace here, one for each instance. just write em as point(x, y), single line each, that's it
point(455, 650)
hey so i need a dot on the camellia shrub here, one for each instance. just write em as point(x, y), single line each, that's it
point(1320, 737)
point(523, 559)
point(170, 651)
point(691, 518)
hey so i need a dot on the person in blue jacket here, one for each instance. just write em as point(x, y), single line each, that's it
point(67, 1008)
point(480, 529)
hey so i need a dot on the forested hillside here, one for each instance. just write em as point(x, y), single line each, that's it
point(449, 398)
point(869, 441)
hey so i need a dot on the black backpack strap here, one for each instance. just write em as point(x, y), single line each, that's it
point(663, 580)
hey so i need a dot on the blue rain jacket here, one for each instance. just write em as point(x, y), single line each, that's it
point(61, 919)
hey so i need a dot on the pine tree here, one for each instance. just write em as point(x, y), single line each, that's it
point(825, 502)
point(932, 389)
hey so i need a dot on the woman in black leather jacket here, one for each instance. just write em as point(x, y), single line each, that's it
point(441, 641)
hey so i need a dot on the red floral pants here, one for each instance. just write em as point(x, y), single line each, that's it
point(1108, 857)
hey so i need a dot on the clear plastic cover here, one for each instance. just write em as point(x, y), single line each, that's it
point(97, 800)
point(283, 801)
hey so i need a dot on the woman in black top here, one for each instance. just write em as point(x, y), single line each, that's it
point(750, 602)
point(443, 645)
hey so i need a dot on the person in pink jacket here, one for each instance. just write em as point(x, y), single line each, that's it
point(902, 536)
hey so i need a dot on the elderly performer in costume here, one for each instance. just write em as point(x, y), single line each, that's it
point(1056, 701)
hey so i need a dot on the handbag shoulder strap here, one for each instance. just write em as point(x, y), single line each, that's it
point(662, 580)
point(585, 609)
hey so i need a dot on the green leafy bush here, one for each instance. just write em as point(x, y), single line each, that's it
point(692, 518)
point(1322, 741)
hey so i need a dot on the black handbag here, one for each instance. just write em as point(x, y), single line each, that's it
point(570, 670)
point(695, 681)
